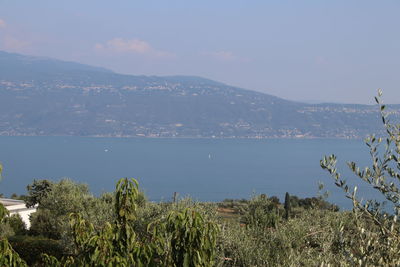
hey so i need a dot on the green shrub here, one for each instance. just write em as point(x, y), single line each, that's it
point(58, 200)
point(17, 224)
point(183, 238)
point(261, 212)
point(8, 256)
point(30, 248)
point(44, 223)
point(191, 240)
point(6, 231)
point(309, 239)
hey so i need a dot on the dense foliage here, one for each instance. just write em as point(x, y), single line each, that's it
point(137, 232)
point(8, 256)
point(30, 248)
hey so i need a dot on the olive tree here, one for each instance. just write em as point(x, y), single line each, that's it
point(57, 200)
point(376, 238)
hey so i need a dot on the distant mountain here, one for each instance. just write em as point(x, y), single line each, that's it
point(40, 96)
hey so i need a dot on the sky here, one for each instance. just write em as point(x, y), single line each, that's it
point(302, 50)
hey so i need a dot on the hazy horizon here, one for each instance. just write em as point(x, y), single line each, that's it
point(310, 51)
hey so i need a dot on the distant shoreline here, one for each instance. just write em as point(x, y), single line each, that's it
point(186, 137)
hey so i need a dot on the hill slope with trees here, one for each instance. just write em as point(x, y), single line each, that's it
point(40, 96)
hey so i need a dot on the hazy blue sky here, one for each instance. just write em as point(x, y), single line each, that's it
point(332, 51)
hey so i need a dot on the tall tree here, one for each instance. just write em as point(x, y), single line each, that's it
point(287, 206)
point(37, 191)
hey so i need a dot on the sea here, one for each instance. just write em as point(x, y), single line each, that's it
point(203, 169)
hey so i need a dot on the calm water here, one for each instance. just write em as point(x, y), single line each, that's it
point(205, 169)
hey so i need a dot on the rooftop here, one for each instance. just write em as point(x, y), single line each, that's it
point(10, 202)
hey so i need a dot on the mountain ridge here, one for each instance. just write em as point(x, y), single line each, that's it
point(52, 97)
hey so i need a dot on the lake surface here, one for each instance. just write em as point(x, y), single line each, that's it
point(205, 169)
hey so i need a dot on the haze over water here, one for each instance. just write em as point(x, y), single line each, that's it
point(205, 169)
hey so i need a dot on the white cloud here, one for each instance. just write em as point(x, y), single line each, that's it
point(2, 24)
point(134, 46)
point(12, 41)
point(12, 44)
point(223, 55)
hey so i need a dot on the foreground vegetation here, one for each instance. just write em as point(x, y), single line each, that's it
point(74, 228)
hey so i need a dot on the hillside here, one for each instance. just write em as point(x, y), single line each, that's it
point(40, 96)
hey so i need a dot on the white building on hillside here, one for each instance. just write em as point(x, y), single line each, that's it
point(18, 207)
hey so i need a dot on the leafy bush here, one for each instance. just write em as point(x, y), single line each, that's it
point(8, 256)
point(60, 200)
point(6, 231)
point(309, 239)
point(191, 241)
point(261, 212)
point(182, 239)
point(17, 224)
point(30, 248)
point(44, 223)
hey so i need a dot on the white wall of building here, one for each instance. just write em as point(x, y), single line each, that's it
point(18, 207)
